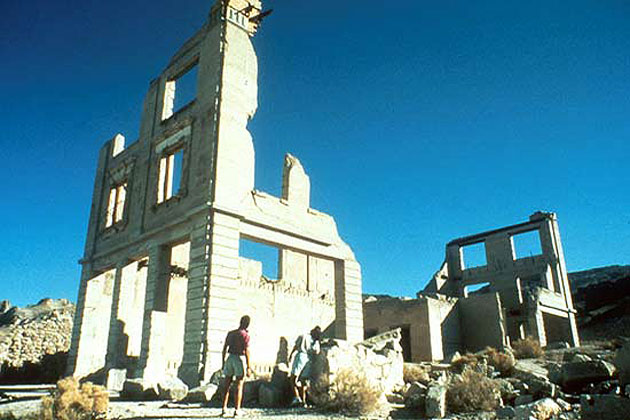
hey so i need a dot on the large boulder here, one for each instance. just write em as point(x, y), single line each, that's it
point(574, 376)
point(379, 357)
point(171, 388)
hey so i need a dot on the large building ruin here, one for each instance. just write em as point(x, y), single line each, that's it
point(163, 279)
point(502, 297)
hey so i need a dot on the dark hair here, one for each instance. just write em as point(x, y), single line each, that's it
point(316, 333)
point(245, 321)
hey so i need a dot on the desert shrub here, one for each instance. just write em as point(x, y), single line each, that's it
point(415, 373)
point(472, 391)
point(351, 392)
point(502, 361)
point(71, 401)
point(527, 348)
point(466, 360)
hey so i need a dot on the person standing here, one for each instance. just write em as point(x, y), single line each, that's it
point(237, 363)
point(305, 348)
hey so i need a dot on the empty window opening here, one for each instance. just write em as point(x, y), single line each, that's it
point(179, 92)
point(474, 255)
point(267, 255)
point(526, 244)
point(170, 177)
point(405, 341)
point(477, 288)
point(116, 204)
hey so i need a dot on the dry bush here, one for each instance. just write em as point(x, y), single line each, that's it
point(71, 401)
point(472, 391)
point(527, 348)
point(415, 373)
point(350, 393)
point(465, 361)
point(502, 361)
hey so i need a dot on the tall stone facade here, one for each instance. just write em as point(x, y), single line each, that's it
point(163, 278)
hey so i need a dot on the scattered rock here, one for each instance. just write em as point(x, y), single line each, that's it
point(540, 410)
point(202, 394)
point(415, 395)
point(172, 389)
point(138, 389)
point(523, 399)
point(604, 407)
point(435, 404)
point(575, 375)
point(115, 379)
point(506, 412)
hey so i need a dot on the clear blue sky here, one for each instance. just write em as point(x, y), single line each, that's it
point(417, 123)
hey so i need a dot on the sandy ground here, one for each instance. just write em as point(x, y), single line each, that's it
point(156, 410)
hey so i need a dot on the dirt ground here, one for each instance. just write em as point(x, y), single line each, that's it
point(157, 410)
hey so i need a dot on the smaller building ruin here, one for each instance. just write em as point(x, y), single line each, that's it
point(501, 297)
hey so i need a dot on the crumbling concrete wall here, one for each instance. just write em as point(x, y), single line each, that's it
point(482, 323)
point(438, 325)
point(189, 179)
point(530, 287)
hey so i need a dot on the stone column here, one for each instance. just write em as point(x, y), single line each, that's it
point(153, 272)
point(190, 368)
point(86, 274)
point(348, 301)
point(222, 288)
point(113, 348)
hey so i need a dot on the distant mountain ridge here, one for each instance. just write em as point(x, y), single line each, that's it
point(611, 273)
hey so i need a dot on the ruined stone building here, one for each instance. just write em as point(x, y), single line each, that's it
point(163, 279)
point(504, 297)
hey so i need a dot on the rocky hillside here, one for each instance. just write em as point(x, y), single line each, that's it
point(602, 298)
point(34, 336)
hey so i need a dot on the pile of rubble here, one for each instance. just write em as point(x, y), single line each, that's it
point(379, 360)
point(590, 383)
point(33, 334)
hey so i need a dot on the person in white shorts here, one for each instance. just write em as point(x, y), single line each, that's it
point(305, 348)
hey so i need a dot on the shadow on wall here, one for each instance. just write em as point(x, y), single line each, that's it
point(48, 370)
point(283, 351)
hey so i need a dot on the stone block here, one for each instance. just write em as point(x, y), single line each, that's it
point(139, 389)
point(115, 379)
point(435, 404)
point(202, 394)
point(171, 388)
point(574, 376)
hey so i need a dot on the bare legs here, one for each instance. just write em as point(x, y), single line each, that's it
point(239, 393)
